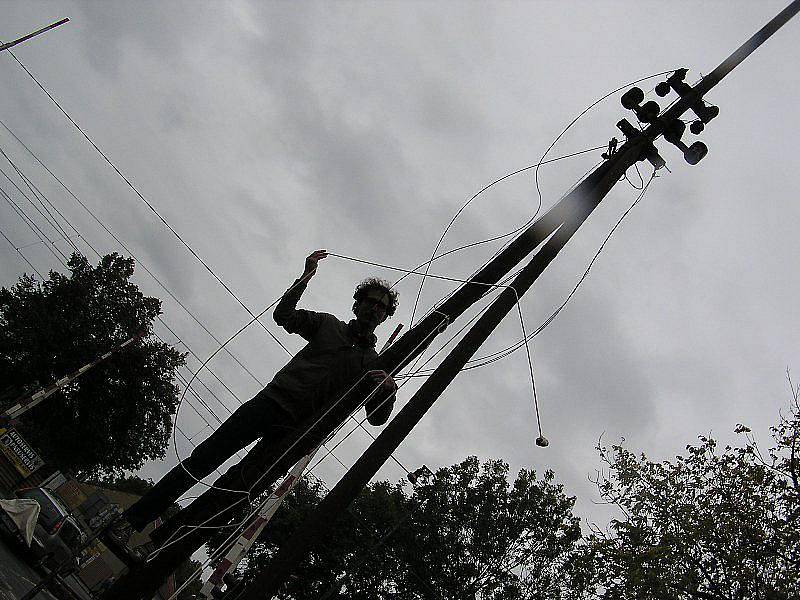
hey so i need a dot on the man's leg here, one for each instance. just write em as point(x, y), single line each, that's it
point(215, 507)
point(250, 421)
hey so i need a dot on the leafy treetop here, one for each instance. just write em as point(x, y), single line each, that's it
point(117, 415)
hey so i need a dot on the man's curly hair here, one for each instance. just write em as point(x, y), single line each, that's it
point(373, 283)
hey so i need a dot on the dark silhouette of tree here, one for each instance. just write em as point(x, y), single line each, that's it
point(716, 524)
point(465, 532)
point(132, 484)
point(117, 415)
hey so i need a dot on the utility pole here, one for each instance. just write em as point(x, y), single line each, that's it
point(8, 45)
point(638, 147)
point(212, 508)
point(553, 230)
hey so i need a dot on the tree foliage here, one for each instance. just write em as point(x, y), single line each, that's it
point(465, 532)
point(115, 416)
point(716, 524)
point(131, 484)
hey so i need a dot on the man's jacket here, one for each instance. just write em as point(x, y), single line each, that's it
point(335, 358)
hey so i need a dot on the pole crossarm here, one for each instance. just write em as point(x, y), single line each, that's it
point(726, 66)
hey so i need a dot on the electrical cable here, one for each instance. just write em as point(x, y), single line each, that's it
point(536, 174)
point(504, 235)
point(147, 202)
point(498, 355)
point(39, 210)
point(19, 251)
point(412, 372)
point(33, 226)
point(42, 200)
point(463, 281)
point(140, 263)
point(467, 203)
point(18, 211)
point(31, 244)
point(499, 250)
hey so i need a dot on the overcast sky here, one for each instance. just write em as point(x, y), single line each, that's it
point(264, 130)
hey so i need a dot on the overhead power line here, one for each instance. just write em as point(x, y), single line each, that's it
point(13, 43)
point(130, 253)
point(147, 202)
point(19, 251)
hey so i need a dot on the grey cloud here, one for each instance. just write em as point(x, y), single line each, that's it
point(263, 129)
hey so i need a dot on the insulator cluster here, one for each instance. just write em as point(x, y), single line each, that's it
point(674, 129)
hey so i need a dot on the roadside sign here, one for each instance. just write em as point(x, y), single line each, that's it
point(17, 450)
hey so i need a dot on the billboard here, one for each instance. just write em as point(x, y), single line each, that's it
point(18, 452)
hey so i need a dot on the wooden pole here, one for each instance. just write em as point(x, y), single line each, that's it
point(266, 585)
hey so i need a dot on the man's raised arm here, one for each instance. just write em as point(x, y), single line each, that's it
point(292, 319)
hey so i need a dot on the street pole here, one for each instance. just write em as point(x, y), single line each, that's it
point(8, 45)
point(637, 147)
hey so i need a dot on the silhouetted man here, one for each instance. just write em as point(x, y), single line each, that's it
point(337, 356)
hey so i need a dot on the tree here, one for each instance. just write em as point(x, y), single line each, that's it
point(711, 525)
point(465, 532)
point(131, 484)
point(115, 416)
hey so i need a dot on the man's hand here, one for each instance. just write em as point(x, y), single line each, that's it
point(383, 378)
point(311, 263)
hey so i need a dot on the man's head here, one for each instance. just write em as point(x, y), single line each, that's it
point(375, 300)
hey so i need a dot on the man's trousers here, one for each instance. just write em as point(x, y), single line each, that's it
point(261, 417)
